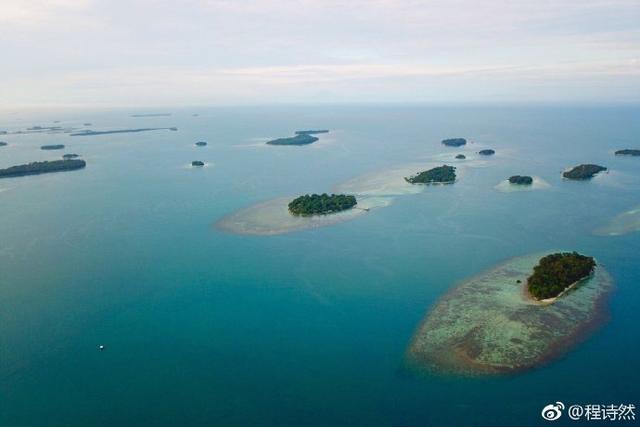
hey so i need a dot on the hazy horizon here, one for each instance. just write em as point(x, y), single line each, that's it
point(106, 54)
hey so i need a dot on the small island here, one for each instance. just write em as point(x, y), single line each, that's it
point(628, 152)
point(36, 168)
point(461, 157)
point(3, 144)
point(201, 143)
point(454, 142)
point(88, 132)
point(439, 175)
point(521, 180)
point(583, 172)
point(197, 163)
point(321, 204)
point(52, 147)
point(557, 272)
point(311, 132)
point(70, 156)
point(487, 152)
point(299, 139)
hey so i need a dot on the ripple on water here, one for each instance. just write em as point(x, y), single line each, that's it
point(488, 325)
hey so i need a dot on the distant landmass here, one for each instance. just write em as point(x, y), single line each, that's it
point(36, 168)
point(321, 204)
point(311, 132)
point(70, 156)
point(439, 175)
point(454, 142)
point(461, 157)
point(299, 139)
point(487, 152)
point(152, 115)
point(583, 172)
point(201, 143)
point(628, 152)
point(107, 132)
point(3, 144)
point(52, 147)
point(197, 163)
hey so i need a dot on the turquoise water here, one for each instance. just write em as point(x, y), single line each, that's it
point(204, 327)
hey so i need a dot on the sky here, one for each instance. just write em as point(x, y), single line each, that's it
point(236, 52)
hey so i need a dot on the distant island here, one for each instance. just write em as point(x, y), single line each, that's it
point(557, 272)
point(454, 142)
point(70, 156)
point(3, 144)
point(52, 147)
point(461, 157)
point(628, 152)
point(441, 174)
point(520, 180)
point(36, 168)
point(152, 115)
point(201, 143)
point(86, 124)
point(321, 204)
point(107, 132)
point(197, 163)
point(582, 172)
point(487, 152)
point(299, 139)
point(311, 132)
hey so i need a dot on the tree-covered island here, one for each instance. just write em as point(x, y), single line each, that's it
point(197, 163)
point(454, 142)
point(3, 144)
point(520, 180)
point(461, 157)
point(556, 272)
point(36, 168)
point(582, 172)
point(201, 143)
point(70, 156)
point(439, 175)
point(628, 152)
point(299, 139)
point(321, 204)
point(52, 147)
point(487, 152)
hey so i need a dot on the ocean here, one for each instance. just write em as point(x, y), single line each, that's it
point(203, 326)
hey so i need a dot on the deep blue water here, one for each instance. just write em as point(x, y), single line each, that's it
point(203, 327)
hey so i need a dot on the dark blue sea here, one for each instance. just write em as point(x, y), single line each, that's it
point(205, 327)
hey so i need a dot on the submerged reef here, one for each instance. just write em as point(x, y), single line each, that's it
point(490, 325)
point(624, 223)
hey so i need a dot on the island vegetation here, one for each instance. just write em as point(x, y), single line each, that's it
point(36, 168)
point(321, 204)
point(521, 180)
point(454, 142)
point(442, 174)
point(299, 139)
point(628, 152)
point(556, 272)
point(582, 172)
point(3, 144)
point(70, 156)
point(461, 157)
point(52, 147)
point(201, 143)
point(197, 163)
point(487, 152)
point(311, 132)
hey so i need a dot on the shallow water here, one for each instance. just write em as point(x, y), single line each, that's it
point(206, 327)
